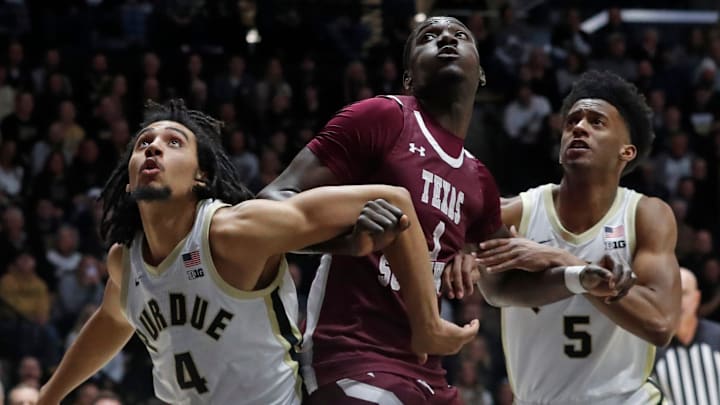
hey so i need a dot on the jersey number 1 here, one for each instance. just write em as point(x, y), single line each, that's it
point(387, 277)
point(187, 373)
point(570, 324)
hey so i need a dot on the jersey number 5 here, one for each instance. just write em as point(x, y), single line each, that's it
point(187, 373)
point(583, 341)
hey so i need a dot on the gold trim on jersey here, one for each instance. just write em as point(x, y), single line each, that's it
point(650, 362)
point(287, 358)
point(125, 282)
point(631, 218)
point(505, 349)
point(528, 204)
point(655, 396)
point(207, 261)
point(572, 238)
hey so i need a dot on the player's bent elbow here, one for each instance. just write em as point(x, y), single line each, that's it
point(661, 332)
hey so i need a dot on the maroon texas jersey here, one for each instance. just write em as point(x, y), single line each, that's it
point(356, 320)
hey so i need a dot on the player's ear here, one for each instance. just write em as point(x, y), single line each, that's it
point(200, 178)
point(628, 153)
point(407, 80)
point(481, 76)
point(127, 188)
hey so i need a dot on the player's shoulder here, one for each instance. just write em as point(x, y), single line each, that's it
point(654, 209)
point(379, 107)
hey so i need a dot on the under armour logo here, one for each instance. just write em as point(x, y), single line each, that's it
point(414, 149)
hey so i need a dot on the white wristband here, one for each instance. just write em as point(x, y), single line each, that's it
point(572, 279)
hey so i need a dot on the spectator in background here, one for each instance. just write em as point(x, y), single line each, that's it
point(18, 72)
point(25, 291)
point(686, 234)
point(56, 91)
point(73, 133)
point(86, 393)
point(616, 59)
point(676, 163)
point(88, 170)
point(53, 183)
point(246, 163)
point(524, 121)
point(77, 288)
point(570, 72)
point(710, 288)
point(64, 258)
point(107, 398)
point(701, 250)
point(12, 174)
point(51, 64)
point(99, 80)
point(23, 395)
point(236, 85)
point(54, 140)
point(272, 84)
point(7, 95)
point(21, 125)
point(569, 35)
point(30, 372)
point(687, 369)
point(13, 237)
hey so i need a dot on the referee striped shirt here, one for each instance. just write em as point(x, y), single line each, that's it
point(690, 375)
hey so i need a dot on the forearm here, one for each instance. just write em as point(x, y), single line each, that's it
point(99, 340)
point(528, 289)
point(640, 312)
point(340, 245)
point(410, 262)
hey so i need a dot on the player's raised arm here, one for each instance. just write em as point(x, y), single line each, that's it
point(267, 228)
point(101, 338)
point(651, 309)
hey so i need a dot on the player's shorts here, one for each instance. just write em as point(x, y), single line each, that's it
point(383, 389)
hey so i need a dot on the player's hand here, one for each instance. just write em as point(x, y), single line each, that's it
point(503, 254)
point(444, 339)
point(460, 275)
point(610, 279)
point(377, 226)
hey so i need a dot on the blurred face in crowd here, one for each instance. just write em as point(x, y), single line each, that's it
point(690, 294)
point(23, 396)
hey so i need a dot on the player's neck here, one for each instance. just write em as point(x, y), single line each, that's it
point(453, 115)
point(580, 203)
point(165, 224)
point(686, 331)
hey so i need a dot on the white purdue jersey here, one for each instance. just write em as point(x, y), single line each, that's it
point(568, 352)
point(209, 342)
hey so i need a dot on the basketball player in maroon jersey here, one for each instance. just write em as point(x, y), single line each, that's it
point(357, 340)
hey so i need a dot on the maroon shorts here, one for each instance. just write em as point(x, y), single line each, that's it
point(383, 389)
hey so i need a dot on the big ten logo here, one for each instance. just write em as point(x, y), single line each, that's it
point(387, 278)
point(615, 244)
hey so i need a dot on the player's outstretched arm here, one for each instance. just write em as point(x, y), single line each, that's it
point(267, 228)
point(104, 334)
point(651, 309)
point(508, 284)
point(306, 172)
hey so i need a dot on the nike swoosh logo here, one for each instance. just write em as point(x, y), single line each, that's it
point(542, 242)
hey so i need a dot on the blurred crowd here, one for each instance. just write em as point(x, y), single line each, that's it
point(74, 76)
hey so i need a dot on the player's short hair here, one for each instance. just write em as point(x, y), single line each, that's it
point(626, 98)
point(121, 217)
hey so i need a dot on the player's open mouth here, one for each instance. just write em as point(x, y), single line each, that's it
point(448, 52)
point(578, 144)
point(150, 167)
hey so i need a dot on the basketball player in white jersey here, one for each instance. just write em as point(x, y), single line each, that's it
point(565, 341)
point(197, 270)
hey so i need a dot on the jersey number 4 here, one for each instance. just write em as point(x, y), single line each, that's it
point(582, 341)
point(187, 373)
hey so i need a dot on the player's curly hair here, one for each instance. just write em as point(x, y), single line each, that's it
point(624, 96)
point(121, 217)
